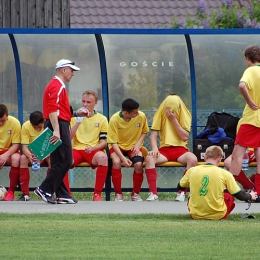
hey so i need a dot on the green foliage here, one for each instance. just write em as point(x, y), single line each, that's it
point(228, 16)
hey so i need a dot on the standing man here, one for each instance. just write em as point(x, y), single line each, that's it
point(207, 184)
point(57, 115)
point(248, 134)
point(172, 121)
point(10, 138)
point(89, 137)
point(126, 132)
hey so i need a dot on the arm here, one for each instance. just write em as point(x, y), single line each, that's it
point(183, 134)
point(74, 129)
point(27, 152)
point(127, 163)
point(137, 146)
point(153, 142)
point(245, 196)
point(244, 92)
point(100, 146)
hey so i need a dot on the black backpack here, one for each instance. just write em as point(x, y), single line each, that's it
point(223, 120)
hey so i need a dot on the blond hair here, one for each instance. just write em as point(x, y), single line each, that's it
point(91, 92)
point(214, 152)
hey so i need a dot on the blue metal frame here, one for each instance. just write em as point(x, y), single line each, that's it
point(18, 77)
point(193, 85)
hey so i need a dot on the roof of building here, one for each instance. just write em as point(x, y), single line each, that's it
point(135, 13)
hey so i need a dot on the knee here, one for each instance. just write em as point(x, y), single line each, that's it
point(116, 163)
point(138, 167)
point(102, 159)
point(24, 161)
point(15, 159)
point(149, 162)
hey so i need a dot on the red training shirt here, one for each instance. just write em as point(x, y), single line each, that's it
point(56, 99)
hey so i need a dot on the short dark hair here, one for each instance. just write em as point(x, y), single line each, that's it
point(3, 110)
point(129, 105)
point(253, 54)
point(36, 118)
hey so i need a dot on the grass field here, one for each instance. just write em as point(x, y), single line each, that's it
point(115, 236)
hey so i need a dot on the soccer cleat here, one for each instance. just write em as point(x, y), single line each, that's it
point(180, 196)
point(136, 197)
point(66, 201)
point(152, 197)
point(24, 197)
point(46, 197)
point(97, 197)
point(119, 197)
point(9, 196)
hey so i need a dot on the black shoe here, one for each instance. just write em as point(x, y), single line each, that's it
point(24, 197)
point(46, 197)
point(66, 201)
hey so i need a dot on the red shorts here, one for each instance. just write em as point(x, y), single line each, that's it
point(80, 156)
point(248, 136)
point(250, 153)
point(124, 152)
point(229, 201)
point(172, 153)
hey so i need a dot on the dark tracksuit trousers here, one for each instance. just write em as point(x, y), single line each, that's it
point(61, 161)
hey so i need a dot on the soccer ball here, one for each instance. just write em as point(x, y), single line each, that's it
point(3, 192)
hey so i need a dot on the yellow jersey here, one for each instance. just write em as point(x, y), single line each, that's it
point(89, 130)
point(126, 134)
point(251, 78)
point(28, 133)
point(10, 133)
point(167, 132)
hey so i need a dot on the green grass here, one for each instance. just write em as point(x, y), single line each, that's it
point(115, 236)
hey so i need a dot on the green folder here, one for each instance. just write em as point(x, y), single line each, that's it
point(41, 146)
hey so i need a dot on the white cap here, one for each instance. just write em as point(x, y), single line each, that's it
point(66, 63)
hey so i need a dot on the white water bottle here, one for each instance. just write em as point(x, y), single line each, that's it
point(36, 167)
point(245, 161)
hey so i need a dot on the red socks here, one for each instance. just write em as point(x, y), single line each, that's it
point(117, 179)
point(180, 191)
point(14, 178)
point(244, 181)
point(257, 183)
point(138, 178)
point(151, 176)
point(25, 180)
point(101, 175)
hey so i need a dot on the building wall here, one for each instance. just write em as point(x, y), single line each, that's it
point(34, 14)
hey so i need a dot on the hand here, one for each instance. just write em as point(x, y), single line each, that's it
point(127, 163)
point(3, 161)
point(55, 138)
point(253, 195)
point(154, 153)
point(170, 114)
point(88, 149)
point(83, 111)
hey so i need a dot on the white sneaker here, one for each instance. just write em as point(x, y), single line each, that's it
point(136, 197)
point(119, 197)
point(152, 197)
point(180, 196)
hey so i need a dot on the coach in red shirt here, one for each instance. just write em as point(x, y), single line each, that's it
point(57, 115)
